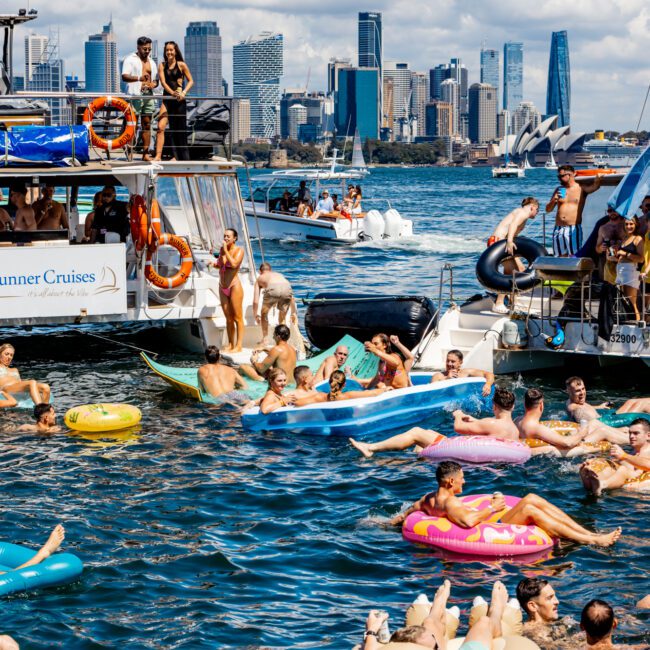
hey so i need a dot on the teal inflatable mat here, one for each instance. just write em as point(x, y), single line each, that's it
point(614, 419)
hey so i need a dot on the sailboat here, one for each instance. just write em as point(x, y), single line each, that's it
point(527, 165)
point(358, 163)
point(550, 163)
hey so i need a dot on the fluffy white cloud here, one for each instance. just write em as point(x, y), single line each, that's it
point(607, 39)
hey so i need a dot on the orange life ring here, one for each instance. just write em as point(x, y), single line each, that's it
point(155, 231)
point(186, 263)
point(139, 222)
point(110, 102)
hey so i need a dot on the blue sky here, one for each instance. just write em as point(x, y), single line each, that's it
point(607, 38)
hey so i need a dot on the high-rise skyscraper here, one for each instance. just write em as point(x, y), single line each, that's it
point(454, 70)
point(203, 56)
point(371, 53)
point(450, 94)
point(357, 102)
point(400, 74)
point(490, 68)
point(102, 73)
point(558, 89)
point(333, 68)
point(48, 75)
point(513, 75)
point(482, 113)
point(257, 68)
point(524, 113)
point(419, 99)
point(35, 47)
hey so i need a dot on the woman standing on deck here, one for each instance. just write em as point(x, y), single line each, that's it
point(628, 257)
point(172, 74)
point(231, 292)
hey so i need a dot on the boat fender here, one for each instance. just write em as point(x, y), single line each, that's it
point(487, 267)
point(557, 341)
point(393, 224)
point(514, 334)
point(373, 225)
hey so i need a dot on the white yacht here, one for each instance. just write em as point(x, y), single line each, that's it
point(508, 170)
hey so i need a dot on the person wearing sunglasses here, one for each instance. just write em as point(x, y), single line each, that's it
point(569, 199)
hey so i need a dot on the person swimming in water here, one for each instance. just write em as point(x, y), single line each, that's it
point(45, 417)
point(454, 370)
point(274, 398)
point(390, 371)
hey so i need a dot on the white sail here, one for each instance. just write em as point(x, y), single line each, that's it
point(357, 153)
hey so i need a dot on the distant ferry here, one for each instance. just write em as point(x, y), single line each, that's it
point(612, 153)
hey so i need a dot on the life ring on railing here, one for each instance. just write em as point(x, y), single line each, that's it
point(155, 231)
point(110, 102)
point(186, 263)
point(487, 267)
point(138, 221)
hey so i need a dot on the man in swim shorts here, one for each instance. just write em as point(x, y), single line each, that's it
point(454, 370)
point(216, 378)
point(281, 355)
point(334, 362)
point(600, 474)
point(509, 228)
point(277, 293)
point(569, 198)
point(45, 417)
point(531, 510)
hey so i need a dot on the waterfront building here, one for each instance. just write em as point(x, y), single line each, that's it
point(202, 54)
point(558, 89)
point(419, 98)
point(357, 102)
point(482, 113)
point(503, 124)
point(526, 112)
point(490, 68)
point(240, 120)
point(438, 119)
point(400, 75)
point(35, 47)
point(257, 68)
point(387, 109)
point(513, 75)
point(450, 94)
point(312, 102)
point(458, 72)
point(297, 116)
point(102, 72)
point(333, 68)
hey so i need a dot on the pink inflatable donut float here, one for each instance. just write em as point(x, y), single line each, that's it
point(487, 538)
point(477, 449)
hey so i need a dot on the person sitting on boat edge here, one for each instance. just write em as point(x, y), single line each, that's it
point(45, 417)
point(274, 399)
point(531, 510)
point(583, 412)
point(324, 206)
point(600, 474)
point(304, 200)
point(500, 426)
point(390, 371)
point(337, 384)
point(25, 218)
point(10, 381)
point(509, 228)
point(50, 214)
point(281, 355)
point(277, 293)
point(454, 370)
point(216, 378)
point(336, 361)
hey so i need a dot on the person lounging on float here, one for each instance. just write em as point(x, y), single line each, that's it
point(274, 399)
point(454, 370)
point(531, 510)
point(334, 362)
point(305, 380)
point(51, 546)
point(10, 381)
point(390, 371)
point(337, 384)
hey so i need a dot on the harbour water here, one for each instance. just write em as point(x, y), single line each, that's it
point(196, 534)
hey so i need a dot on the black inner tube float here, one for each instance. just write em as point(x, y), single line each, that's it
point(487, 267)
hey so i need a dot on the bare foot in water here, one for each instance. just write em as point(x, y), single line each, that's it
point(609, 538)
point(55, 540)
point(362, 447)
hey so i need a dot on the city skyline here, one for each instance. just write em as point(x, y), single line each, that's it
point(608, 77)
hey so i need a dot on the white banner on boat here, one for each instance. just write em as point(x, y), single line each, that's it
point(49, 281)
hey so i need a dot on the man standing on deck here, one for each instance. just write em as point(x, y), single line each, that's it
point(569, 198)
point(277, 293)
point(25, 217)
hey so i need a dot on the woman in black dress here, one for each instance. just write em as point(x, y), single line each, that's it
point(176, 80)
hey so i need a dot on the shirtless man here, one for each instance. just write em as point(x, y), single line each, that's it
point(305, 380)
point(531, 510)
point(538, 600)
point(334, 362)
point(598, 623)
point(500, 426)
point(569, 199)
point(281, 355)
point(580, 410)
point(454, 370)
point(509, 228)
point(277, 293)
point(6, 222)
point(599, 474)
point(25, 217)
point(45, 417)
point(610, 234)
point(50, 214)
point(216, 378)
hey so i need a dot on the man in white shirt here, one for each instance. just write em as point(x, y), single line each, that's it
point(140, 74)
point(324, 206)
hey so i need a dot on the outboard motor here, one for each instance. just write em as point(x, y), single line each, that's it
point(373, 226)
point(393, 221)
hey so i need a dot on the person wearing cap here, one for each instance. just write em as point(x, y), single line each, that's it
point(324, 206)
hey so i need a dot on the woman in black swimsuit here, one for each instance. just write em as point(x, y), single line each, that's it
point(172, 73)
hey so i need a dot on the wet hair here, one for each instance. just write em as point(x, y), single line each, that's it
point(282, 332)
point(532, 398)
point(212, 354)
point(457, 353)
point(299, 373)
point(504, 398)
point(385, 340)
point(529, 588)
point(597, 619)
point(573, 380)
point(6, 346)
point(337, 383)
point(273, 374)
point(409, 634)
point(143, 40)
point(265, 266)
point(177, 50)
point(447, 468)
point(529, 200)
point(565, 168)
point(644, 422)
point(234, 232)
point(41, 409)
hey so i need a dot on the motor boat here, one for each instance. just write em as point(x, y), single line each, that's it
point(509, 170)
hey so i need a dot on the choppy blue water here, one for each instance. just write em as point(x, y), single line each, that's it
point(196, 534)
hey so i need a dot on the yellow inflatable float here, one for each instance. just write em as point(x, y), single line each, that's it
point(96, 418)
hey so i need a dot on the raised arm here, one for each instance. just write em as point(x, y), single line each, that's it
point(406, 353)
point(236, 258)
point(592, 187)
point(550, 206)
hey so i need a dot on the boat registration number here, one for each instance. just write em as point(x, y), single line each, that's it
point(622, 338)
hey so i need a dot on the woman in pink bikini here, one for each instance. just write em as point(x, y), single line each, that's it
point(391, 371)
point(231, 293)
